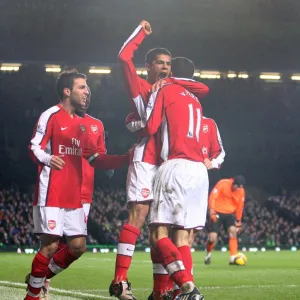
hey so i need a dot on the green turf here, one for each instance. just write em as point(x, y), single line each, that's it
point(268, 275)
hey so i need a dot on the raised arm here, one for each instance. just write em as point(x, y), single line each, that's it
point(126, 54)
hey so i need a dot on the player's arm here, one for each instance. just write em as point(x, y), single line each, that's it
point(217, 152)
point(154, 113)
point(200, 90)
point(37, 148)
point(108, 162)
point(126, 55)
point(239, 209)
point(105, 161)
point(98, 158)
point(197, 88)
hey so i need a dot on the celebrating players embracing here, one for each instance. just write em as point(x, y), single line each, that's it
point(143, 167)
point(181, 182)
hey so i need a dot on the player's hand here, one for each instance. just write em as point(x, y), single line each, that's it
point(157, 85)
point(238, 225)
point(57, 162)
point(208, 164)
point(147, 27)
point(213, 216)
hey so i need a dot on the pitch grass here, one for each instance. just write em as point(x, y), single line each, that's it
point(268, 275)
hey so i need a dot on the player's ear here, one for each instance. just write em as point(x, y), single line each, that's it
point(67, 92)
point(148, 67)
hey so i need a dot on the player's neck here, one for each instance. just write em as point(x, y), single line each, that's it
point(80, 114)
point(151, 80)
point(68, 107)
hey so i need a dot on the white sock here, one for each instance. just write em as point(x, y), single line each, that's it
point(232, 258)
point(208, 255)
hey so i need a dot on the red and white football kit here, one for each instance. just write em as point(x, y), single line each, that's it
point(143, 168)
point(181, 182)
point(212, 146)
point(57, 206)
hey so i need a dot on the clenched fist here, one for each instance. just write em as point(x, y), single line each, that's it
point(147, 27)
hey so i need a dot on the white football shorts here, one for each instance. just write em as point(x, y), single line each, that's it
point(140, 179)
point(180, 194)
point(59, 221)
point(86, 209)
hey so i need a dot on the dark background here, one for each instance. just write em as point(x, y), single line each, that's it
point(258, 121)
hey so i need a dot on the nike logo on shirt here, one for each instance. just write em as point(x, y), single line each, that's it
point(63, 128)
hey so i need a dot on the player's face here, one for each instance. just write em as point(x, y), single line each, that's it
point(79, 93)
point(81, 111)
point(160, 68)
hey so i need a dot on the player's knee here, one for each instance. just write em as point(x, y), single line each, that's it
point(137, 215)
point(212, 238)
point(153, 238)
point(153, 241)
point(49, 250)
point(49, 245)
point(232, 232)
point(157, 233)
point(137, 221)
point(181, 239)
point(191, 238)
point(78, 247)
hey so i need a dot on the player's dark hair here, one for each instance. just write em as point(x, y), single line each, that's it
point(152, 54)
point(239, 180)
point(66, 80)
point(182, 67)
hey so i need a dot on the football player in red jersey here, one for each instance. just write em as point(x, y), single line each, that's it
point(213, 154)
point(143, 167)
point(95, 129)
point(57, 146)
point(181, 182)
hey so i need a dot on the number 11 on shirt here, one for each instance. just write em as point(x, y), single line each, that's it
point(191, 122)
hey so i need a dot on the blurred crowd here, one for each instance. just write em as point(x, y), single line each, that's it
point(263, 224)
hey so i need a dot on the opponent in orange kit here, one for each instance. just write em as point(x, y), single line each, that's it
point(226, 204)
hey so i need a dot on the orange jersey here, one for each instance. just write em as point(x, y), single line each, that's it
point(224, 200)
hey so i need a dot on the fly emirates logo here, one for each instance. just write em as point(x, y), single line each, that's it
point(73, 150)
